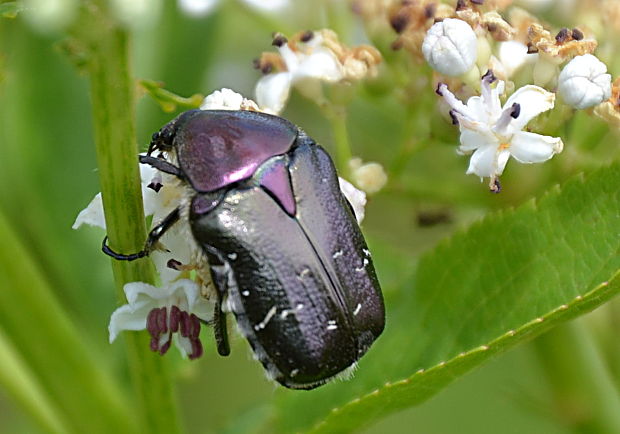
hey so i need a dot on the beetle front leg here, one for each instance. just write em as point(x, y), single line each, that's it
point(156, 233)
point(162, 165)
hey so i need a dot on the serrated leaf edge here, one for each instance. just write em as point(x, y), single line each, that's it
point(580, 304)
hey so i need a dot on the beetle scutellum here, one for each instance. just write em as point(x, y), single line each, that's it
point(284, 249)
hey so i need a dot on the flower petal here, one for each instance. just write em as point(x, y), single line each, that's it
point(533, 100)
point(357, 198)
point(482, 162)
point(322, 64)
point(272, 91)
point(127, 318)
point(500, 161)
point(474, 138)
point(91, 215)
point(534, 148)
point(136, 292)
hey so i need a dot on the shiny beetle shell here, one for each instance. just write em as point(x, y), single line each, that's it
point(285, 251)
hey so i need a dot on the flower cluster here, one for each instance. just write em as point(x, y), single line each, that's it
point(460, 43)
point(305, 61)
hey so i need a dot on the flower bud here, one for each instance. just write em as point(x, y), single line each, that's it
point(450, 47)
point(369, 177)
point(584, 82)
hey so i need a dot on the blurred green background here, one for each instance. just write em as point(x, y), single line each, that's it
point(49, 173)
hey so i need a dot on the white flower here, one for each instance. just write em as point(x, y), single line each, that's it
point(161, 195)
point(356, 198)
point(137, 13)
point(584, 82)
point(450, 47)
point(494, 133)
point(50, 15)
point(513, 55)
point(176, 308)
point(197, 8)
point(201, 8)
point(305, 68)
point(370, 177)
point(155, 204)
point(227, 99)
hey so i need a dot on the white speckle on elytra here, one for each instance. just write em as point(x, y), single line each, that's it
point(287, 312)
point(245, 293)
point(357, 309)
point(303, 274)
point(261, 325)
point(232, 256)
point(363, 267)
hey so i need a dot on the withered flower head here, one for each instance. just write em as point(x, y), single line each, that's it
point(609, 110)
point(565, 45)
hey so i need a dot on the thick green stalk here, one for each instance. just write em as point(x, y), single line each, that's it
point(113, 105)
point(585, 397)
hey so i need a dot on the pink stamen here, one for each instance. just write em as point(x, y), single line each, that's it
point(184, 324)
point(175, 317)
point(165, 347)
point(194, 331)
point(151, 323)
point(162, 320)
point(196, 349)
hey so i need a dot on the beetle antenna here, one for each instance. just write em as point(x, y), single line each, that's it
point(153, 144)
point(132, 257)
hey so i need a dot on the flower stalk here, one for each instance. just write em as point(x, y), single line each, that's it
point(337, 118)
point(113, 107)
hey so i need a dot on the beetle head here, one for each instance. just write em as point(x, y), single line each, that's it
point(162, 140)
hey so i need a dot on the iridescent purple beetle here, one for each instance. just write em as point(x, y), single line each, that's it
point(283, 246)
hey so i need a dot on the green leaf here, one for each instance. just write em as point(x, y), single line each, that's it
point(505, 280)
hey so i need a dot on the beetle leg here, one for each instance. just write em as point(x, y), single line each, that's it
point(162, 165)
point(151, 242)
point(220, 328)
point(219, 275)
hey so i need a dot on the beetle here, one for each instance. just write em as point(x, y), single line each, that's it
point(284, 249)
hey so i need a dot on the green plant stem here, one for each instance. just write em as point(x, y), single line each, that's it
point(113, 105)
point(18, 380)
point(585, 397)
point(337, 117)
